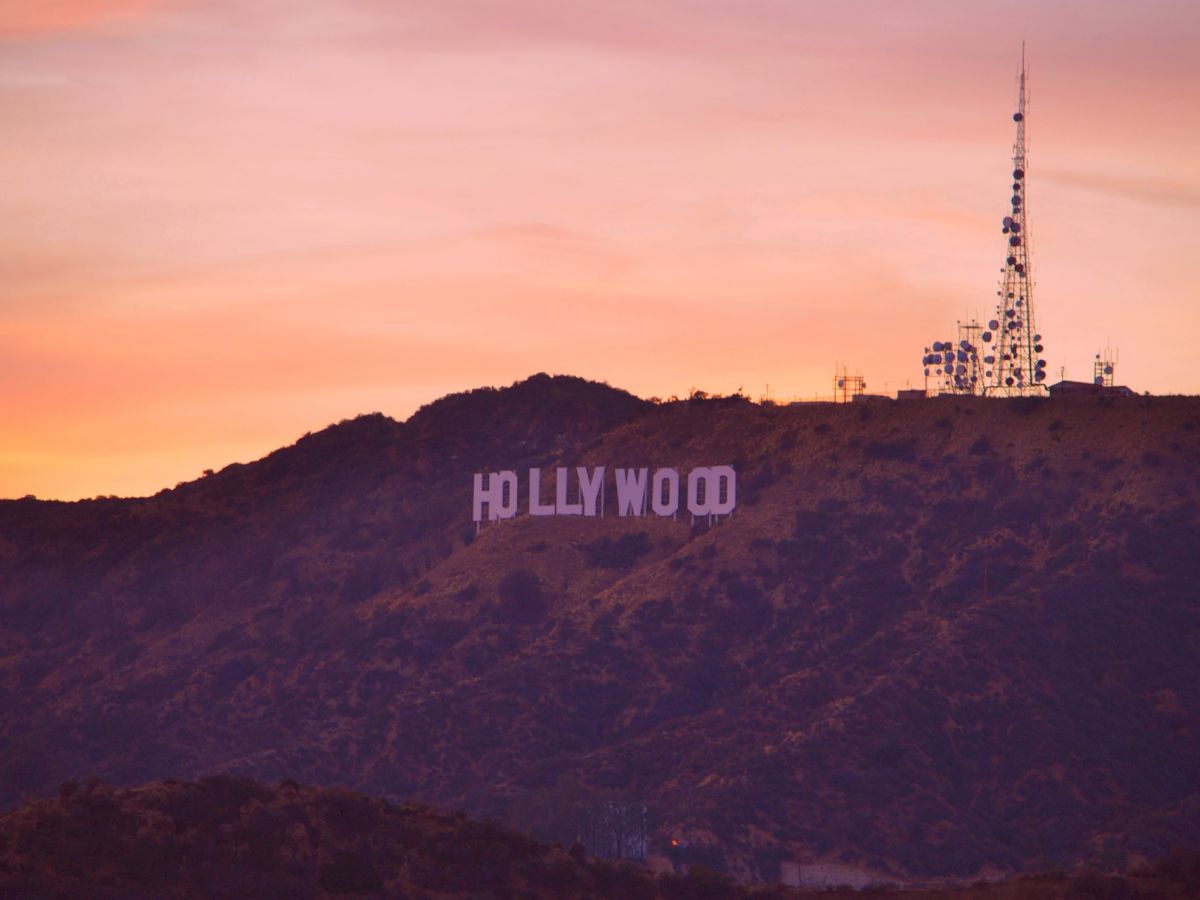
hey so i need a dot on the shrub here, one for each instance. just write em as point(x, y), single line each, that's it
point(232, 673)
point(350, 873)
point(981, 447)
point(902, 451)
point(521, 596)
point(621, 553)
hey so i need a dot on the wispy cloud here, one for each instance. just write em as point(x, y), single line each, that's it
point(19, 18)
point(1141, 188)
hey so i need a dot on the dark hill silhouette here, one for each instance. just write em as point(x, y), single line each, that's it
point(828, 676)
point(234, 837)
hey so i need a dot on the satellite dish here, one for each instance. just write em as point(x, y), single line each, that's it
point(937, 345)
point(1018, 173)
point(993, 324)
point(987, 337)
point(989, 359)
point(1108, 370)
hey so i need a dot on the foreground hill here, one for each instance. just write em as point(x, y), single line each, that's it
point(937, 638)
point(233, 837)
point(229, 837)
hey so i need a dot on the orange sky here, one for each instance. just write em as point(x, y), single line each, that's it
point(225, 223)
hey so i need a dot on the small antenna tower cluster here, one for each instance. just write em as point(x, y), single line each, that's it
point(846, 387)
point(1104, 368)
point(955, 366)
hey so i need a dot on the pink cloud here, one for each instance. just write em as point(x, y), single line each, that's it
point(1143, 189)
point(20, 18)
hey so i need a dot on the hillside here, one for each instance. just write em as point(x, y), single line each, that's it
point(936, 638)
point(229, 837)
point(234, 837)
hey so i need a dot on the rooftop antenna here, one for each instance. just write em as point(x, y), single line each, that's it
point(1014, 366)
point(955, 365)
point(846, 386)
point(1104, 368)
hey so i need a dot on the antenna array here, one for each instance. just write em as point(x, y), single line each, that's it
point(1013, 360)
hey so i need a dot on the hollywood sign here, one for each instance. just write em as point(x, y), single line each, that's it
point(708, 491)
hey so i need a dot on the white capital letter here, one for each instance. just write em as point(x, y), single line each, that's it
point(723, 482)
point(482, 495)
point(631, 491)
point(695, 506)
point(589, 488)
point(563, 508)
point(536, 506)
point(504, 495)
point(669, 505)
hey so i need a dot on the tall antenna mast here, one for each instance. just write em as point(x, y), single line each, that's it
point(1014, 365)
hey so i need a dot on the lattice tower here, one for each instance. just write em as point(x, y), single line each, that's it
point(1013, 362)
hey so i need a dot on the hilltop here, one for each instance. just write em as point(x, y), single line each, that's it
point(938, 638)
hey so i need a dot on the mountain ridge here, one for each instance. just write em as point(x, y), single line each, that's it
point(827, 675)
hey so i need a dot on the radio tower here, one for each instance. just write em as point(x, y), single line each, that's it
point(1014, 366)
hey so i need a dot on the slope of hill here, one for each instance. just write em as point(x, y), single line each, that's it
point(234, 837)
point(936, 638)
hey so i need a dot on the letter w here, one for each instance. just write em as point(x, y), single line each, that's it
point(631, 491)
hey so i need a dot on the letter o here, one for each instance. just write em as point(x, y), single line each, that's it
point(695, 477)
point(670, 506)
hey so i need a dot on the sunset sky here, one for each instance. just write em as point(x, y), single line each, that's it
point(226, 223)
